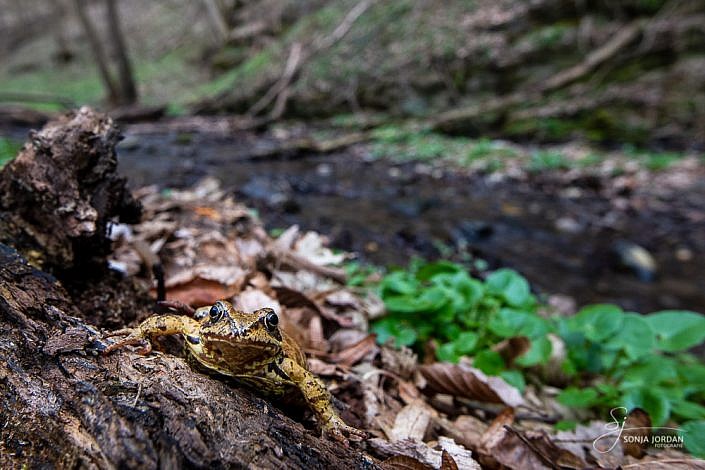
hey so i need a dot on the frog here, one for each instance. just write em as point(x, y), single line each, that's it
point(249, 347)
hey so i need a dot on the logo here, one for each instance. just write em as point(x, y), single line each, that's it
point(645, 436)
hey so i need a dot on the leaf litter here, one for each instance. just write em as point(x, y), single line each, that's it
point(436, 415)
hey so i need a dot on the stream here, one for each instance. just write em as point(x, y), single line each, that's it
point(388, 212)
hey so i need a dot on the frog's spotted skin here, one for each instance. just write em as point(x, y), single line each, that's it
point(247, 346)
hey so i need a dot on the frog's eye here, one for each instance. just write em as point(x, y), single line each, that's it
point(271, 321)
point(216, 312)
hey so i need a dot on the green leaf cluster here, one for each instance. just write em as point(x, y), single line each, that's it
point(635, 361)
point(464, 315)
point(614, 358)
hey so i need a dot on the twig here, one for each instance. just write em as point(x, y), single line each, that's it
point(595, 58)
point(311, 145)
point(290, 69)
point(137, 397)
point(280, 91)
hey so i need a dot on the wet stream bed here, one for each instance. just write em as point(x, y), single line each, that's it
point(564, 238)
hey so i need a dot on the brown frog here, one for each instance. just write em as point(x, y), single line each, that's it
point(247, 346)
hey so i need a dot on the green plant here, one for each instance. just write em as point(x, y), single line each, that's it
point(464, 315)
point(546, 160)
point(614, 358)
point(635, 360)
point(8, 150)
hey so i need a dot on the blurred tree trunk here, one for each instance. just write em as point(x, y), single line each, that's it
point(121, 90)
point(99, 54)
point(128, 89)
point(217, 21)
point(63, 52)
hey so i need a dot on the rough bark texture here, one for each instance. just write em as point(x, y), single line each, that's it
point(63, 404)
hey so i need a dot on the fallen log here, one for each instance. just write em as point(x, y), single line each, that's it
point(62, 403)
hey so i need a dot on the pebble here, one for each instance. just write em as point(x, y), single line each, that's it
point(568, 225)
point(684, 254)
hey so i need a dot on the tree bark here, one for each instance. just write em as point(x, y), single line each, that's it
point(99, 54)
point(128, 90)
point(62, 403)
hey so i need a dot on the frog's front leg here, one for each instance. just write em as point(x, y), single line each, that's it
point(320, 401)
point(158, 325)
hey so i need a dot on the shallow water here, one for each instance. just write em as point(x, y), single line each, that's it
point(389, 212)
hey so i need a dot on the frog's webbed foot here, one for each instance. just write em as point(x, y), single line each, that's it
point(336, 428)
point(134, 336)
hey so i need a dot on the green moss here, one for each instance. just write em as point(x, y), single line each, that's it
point(550, 35)
point(248, 73)
point(542, 160)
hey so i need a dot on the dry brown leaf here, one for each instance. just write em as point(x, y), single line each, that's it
point(401, 362)
point(348, 357)
point(254, 299)
point(201, 292)
point(346, 337)
point(408, 392)
point(403, 462)
point(425, 454)
point(294, 298)
point(512, 348)
point(466, 430)
point(208, 212)
point(461, 456)
point(665, 459)
point(411, 422)
point(582, 442)
point(316, 339)
point(471, 383)
point(637, 433)
point(447, 461)
point(321, 368)
point(501, 447)
point(312, 248)
point(544, 448)
point(343, 298)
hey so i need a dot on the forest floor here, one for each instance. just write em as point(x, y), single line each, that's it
point(558, 225)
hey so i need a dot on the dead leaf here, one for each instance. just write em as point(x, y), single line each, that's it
point(423, 453)
point(199, 292)
point(466, 430)
point(471, 383)
point(462, 457)
point(254, 299)
point(343, 298)
point(403, 462)
point(208, 212)
point(316, 340)
point(348, 357)
point(321, 368)
point(447, 461)
point(294, 298)
point(637, 433)
point(411, 422)
point(500, 447)
point(544, 448)
point(512, 348)
point(582, 441)
point(402, 362)
point(312, 248)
